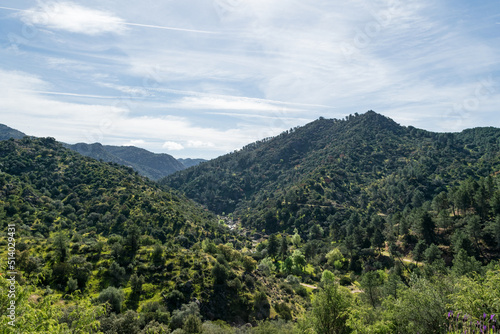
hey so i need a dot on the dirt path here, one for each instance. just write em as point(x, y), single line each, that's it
point(309, 286)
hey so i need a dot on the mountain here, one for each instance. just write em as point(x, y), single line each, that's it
point(87, 231)
point(49, 185)
point(152, 165)
point(190, 162)
point(356, 225)
point(309, 173)
point(7, 133)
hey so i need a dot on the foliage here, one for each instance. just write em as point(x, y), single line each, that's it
point(330, 310)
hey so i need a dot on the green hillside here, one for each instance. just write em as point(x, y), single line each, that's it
point(340, 226)
point(367, 162)
point(87, 232)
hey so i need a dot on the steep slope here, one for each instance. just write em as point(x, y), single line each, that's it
point(45, 184)
point(152, 165)
point(366, 161)
point(7, 133)
point(97, 229)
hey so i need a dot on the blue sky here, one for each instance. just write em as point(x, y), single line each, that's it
point(202, 78)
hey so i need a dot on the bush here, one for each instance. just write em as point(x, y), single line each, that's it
point(192, 324)
point(113, 296)
point(293, 280)
point(154, 327)
point(179, 316)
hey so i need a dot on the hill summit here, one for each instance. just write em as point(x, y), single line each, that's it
point(366, 161)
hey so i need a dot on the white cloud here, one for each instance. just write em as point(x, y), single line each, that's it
point(135, 142)
point(172, 146)
point(74, 18)
point(226, 103)
point(199, 144)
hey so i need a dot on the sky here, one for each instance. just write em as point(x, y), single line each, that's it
point(200, 78)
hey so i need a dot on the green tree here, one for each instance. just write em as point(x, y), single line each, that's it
point(377, 239)
point(157, 255)
point(425, 227)
point(432, 253)
point(272, 245)
point(249, 263)
point(299, 259)
point(72, 285)
point(421, 307)
point(60, 245)
point(179, 316)
point(219, 273)
point(333, 256)
point(460, 241)
point(327, 277)
point(287, 265)
point(330, 310)
point(494, 229)
point(192, 324)
point(418, 251)
point(370, 284)
point(283, 251)
point(464, 264)
point(132, 240)
point(113, 296)
point(315, 232)
point(474, 229)
point(296, 240)
point(116, 273)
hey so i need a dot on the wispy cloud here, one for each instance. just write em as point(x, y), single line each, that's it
point(169, 28)
point(164, 72)
point(74, 18)
point(26, 107)
point(219, 103)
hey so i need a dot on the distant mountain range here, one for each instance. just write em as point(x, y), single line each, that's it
point(7, 133)
point(152, 165)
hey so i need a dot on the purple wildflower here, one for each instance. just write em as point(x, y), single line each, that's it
point(484, 315)
point(450, 314)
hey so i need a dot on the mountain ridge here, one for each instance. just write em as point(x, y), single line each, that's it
point(7, 132)
point(152, 165)
point(352, 153)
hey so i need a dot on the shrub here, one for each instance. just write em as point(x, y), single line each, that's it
point(113, 296)
point(179, 316)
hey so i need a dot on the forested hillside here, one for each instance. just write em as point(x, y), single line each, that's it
point(88, 232)
point(364, 195)
point(341, 226)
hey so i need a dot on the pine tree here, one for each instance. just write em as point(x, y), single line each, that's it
point(272, 246)
point(283, 247)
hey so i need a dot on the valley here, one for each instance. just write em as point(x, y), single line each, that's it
point(353, 225)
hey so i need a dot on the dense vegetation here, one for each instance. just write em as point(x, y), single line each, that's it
point(340, 226)
point(88, 233)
